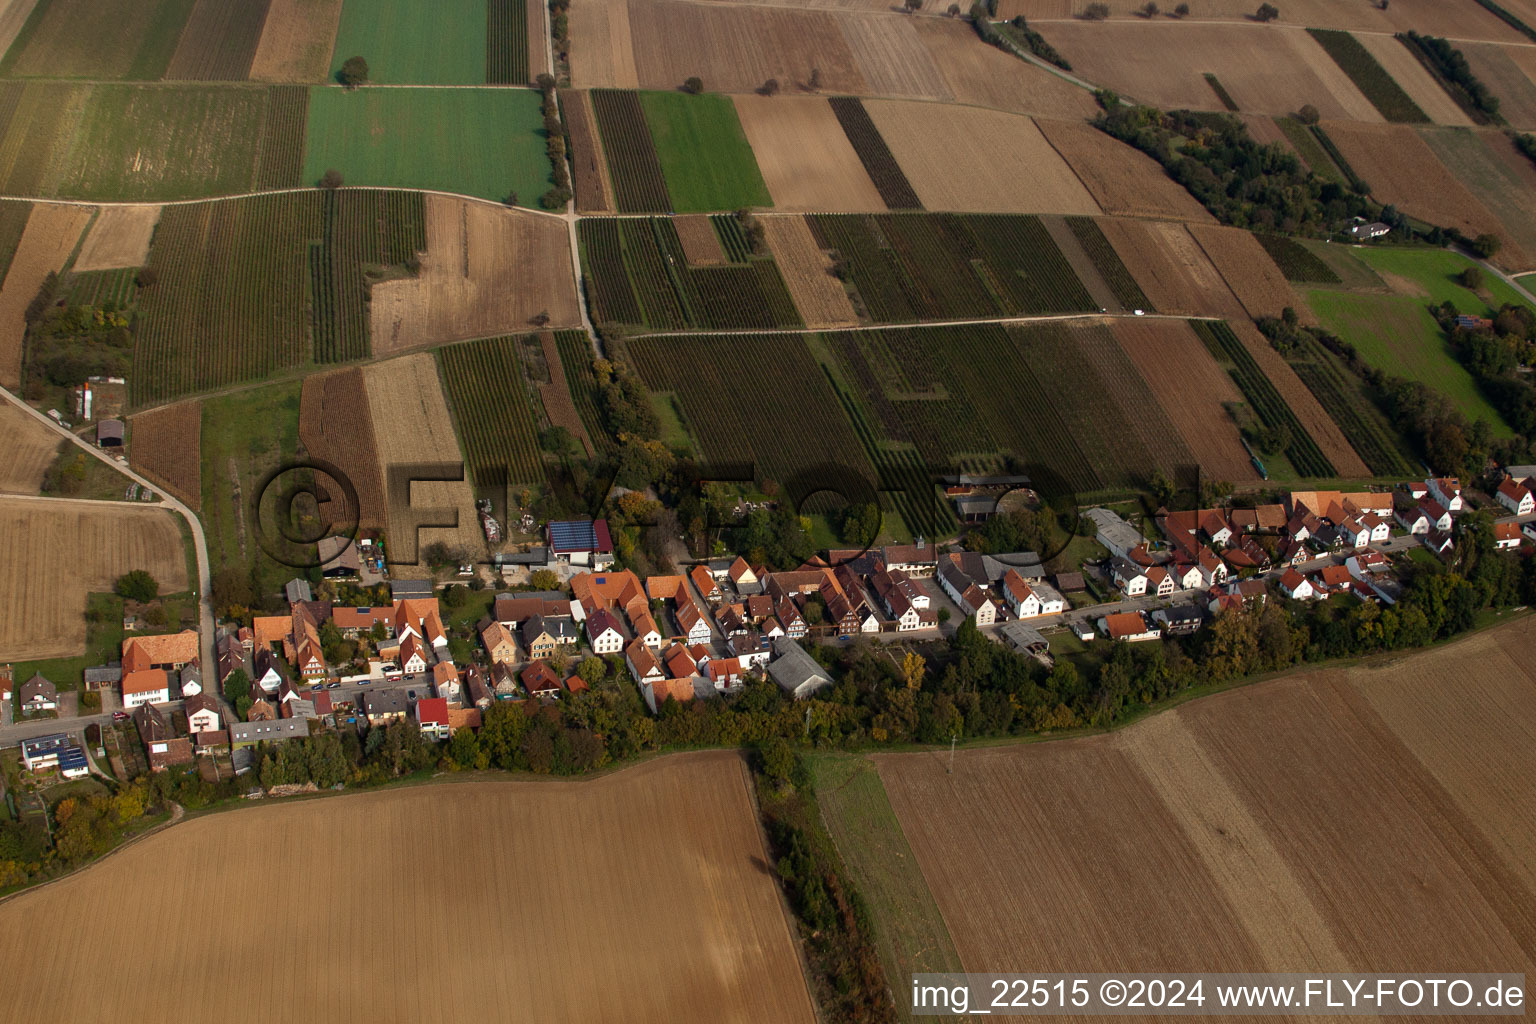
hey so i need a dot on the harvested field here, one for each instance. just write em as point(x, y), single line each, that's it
point(986, 76)
point(130, 39)
point(30, 448)
point(879, 163)
point(1399, 62)
point(46, 243)
point(296, 41)
point(1192, 389)
point(737, 49)
point(1219, 822)
point(119, 238)
point(605, 56)
point(1171, 268)
point(54, 553)
point(1263, 129)
point(968, 158)
point(1248, 270)
point(805, 156)
point(1507, 71)
point(820, 298)
point(891, 55)
point(219, 41)
point(335, 425)
point(1497, 173)
point(411, 426)
point(1402, 169)
point(12, 17)
point(559, 404)
point(1303, 404)
point(700, 243)
point(694, 810)
point(1122, 180)
point(589, 169)
point(1268, 69)
point(487, 270)
point(167, 447)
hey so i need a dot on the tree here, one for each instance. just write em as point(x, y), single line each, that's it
point(1308, 114)
point(331, 179)
point(544, 579)
point(592, 670)
point(137, 585)
point(778, 761)
point(353, 73)
point(1096, 12)
point(1266, 13)
point(693, 85)
point(511, 199)
point(146, 277)
point(912, 668)
point(1472, 278)
point(954, 10)
point(769, 88)
point(1181, 11)
point(1486, 245)
point(1150, 10)
point(912, 6)
point(815, 82)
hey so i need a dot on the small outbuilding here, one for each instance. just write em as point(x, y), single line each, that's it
point(109, 434)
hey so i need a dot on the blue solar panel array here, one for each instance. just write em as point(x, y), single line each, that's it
point(573, 535)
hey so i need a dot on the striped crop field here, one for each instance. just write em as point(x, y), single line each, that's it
point(488, 395)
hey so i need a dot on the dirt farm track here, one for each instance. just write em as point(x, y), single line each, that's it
point(641, 897)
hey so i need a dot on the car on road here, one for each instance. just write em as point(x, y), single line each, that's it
point(119, 716)
point(333, 684)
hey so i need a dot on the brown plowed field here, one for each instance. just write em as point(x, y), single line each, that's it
point(119, 238)
point(634, 869)
point(589, 174)
point(1171, 268)
point(1420, 86)
point(820, 298)
point(538, 52)
point(603, 53)
point(1263, 129)
point(54, 553)
point(296, 41)
point(1301, 400)
point(701, 245)
point(737, 49)
point(167, 447)
point(559, 406)
point(411, 425)
point(219, 41)
point(30, 449)
point(1401, 169)
point(1191, 387)
point(1268, 69)
point(487, 270)
point(1455, 19)
point(968, 158)
point(805, 156)
point(891, 54)
point(1248, 270)
point(1122, 180)
point(1274, 827)
point(335, 425)
point(986, 76)
point(12, 18)
point(1507, 72)
point(50, 236)
point(1502, 178)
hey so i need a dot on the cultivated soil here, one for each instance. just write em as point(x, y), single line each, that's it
point(1122, 180)
point(488, 270)
point(968, 158)
point(50, 236)
point(30, 449)
point(54, 553)
point(1333, 821)
point(589, 174)
point(605, 55)
point(1401, 169)
point(820, 298)
point(411, 426)
point(981, 74)
point(296, 41)
point(1419, 84)
point(166, 447)
point(1507, 72)
point(336, 427)
point(666, 857)
point(804, 155)
point(13, 15)
point(1248, 270)
point(701, 246)
point(119, 238)
point(559, 406)
point(1171, 268)
point(1192, 389)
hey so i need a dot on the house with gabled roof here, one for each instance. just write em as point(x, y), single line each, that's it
point(1446, 490)
point(692, 626)
point(725, 673)
point(704, 580)
point(203, 714)
point(168, 651)
point(917, 560)
point(146, 686)
point(1296, 586)
point(642, 663)
point(581, 542)
point(603, 632)
point(796, 672)
point(1129, 627)
point(645, 630)
point(499, 645)
point(1212, 569)
point(1506, 535)
point(543, 635)
point(432, 718)
point(1128, 576)
point(476, 687)
point(445, 682)
point(788, 618)
point(1516, 497)
point(540, 681)
point(1160, 581)
point(744, 577)
point(38, 694)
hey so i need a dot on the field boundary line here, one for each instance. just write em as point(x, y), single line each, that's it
point(178, 814)
point(904, 325)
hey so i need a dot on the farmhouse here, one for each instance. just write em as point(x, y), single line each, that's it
point(691, 623)
point(1119, 536)
point(540, 681)
point(38, 694)
point(1296, 586)
point(1447, 491)
point(203, 714)
point(544, 634)
point(146, 686)
point(1129, 627)
point(796, 671)
point(168, 651)
point(581, 542)
point(918, 559)
point(432, 717)
point(744, 578)
point(510, 611)
point(1516, 497)
point(603, 633)
point(642, 663)
point(498, 643)
point(1506, 536)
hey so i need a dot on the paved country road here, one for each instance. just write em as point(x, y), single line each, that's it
point(199, 542)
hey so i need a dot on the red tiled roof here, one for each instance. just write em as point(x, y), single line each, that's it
point(432, 711)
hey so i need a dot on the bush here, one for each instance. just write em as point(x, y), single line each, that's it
point(137, 585)
point(353, 73)
point(769, 88)
point(1181, 11)
point(1308, 114)
point(693, 85)
point(1096, 12)
point(331, 179)
point(1486, 245)
point(1471, 278)
point(555, 199)
point(1266, 13)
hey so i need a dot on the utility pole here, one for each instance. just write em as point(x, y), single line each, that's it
point(951, 769)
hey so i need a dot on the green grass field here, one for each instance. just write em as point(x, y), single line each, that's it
point(704, 154)
point(478, 142)
point(1397, 333)
point(911, 932)
point(406, 42)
